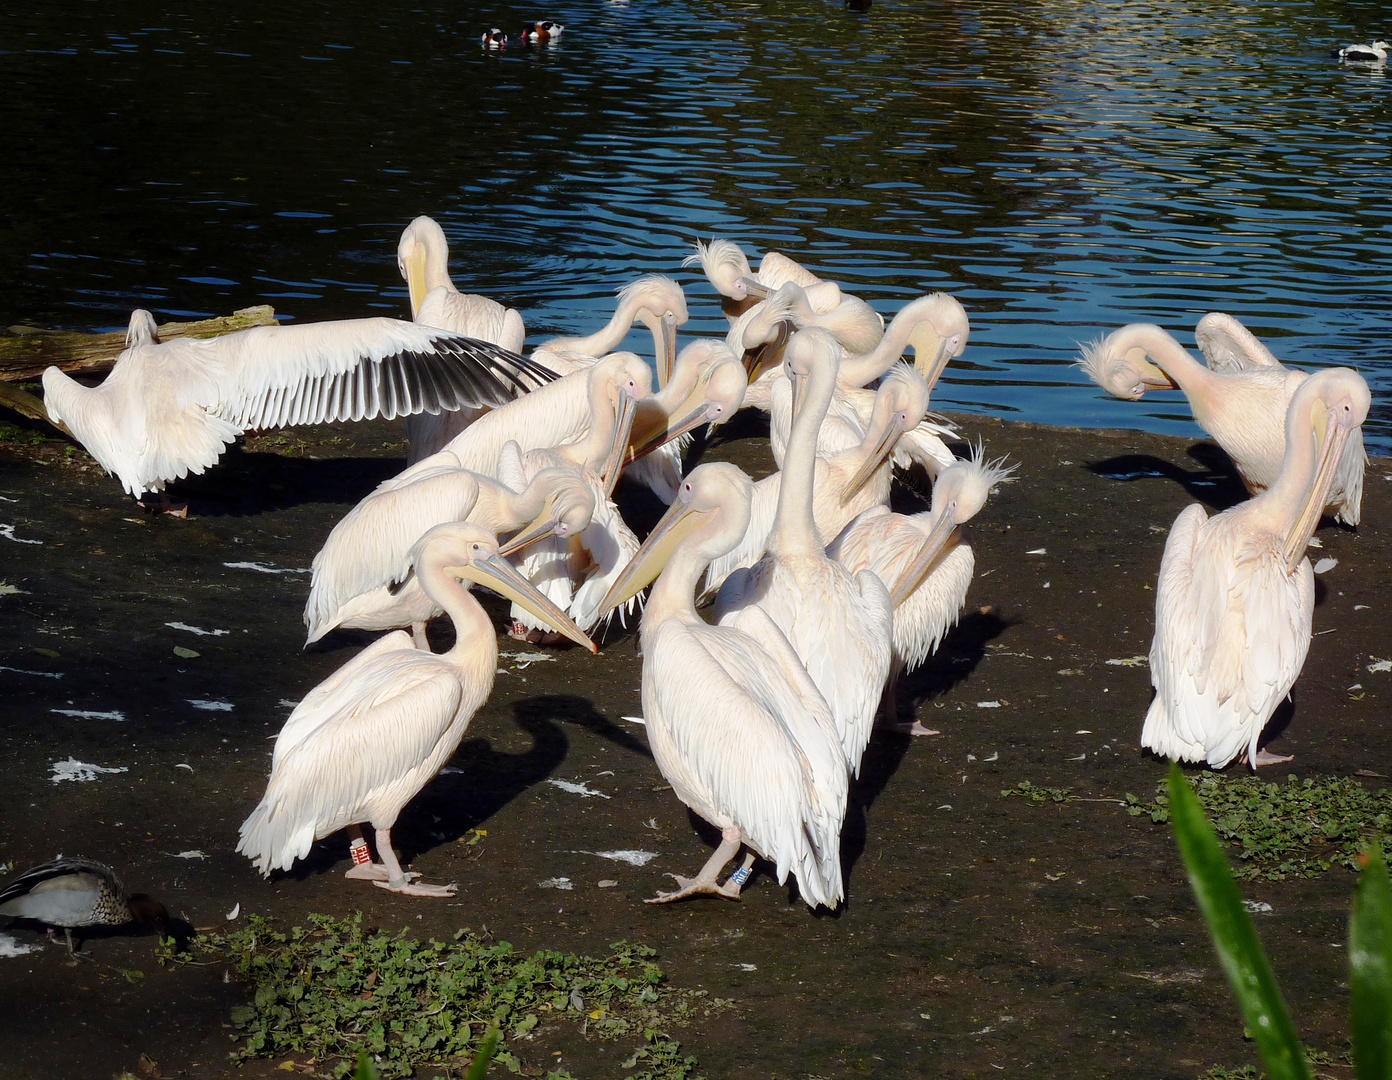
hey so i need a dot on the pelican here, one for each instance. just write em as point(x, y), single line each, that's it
point(1241, 398)
point(1236, 594)
point(655, 301)
point(735, 724)
point(707, 387)
point(422, 256)
point(838, 623)
point(758, 336)
point(366, 739)
point(924, 561)
point(168, 409)
point(936, 328)
point(361, 576)
point(845, 483)
point(1376, 53)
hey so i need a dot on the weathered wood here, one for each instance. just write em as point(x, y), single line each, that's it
point(29, 350)
point(26, 404)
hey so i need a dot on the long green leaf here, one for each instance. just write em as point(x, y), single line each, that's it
point(365, 1070)
point(484, 1056)
point(1370, 972)
point(1240, 952)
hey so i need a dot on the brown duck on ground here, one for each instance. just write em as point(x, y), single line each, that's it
point(74, 893)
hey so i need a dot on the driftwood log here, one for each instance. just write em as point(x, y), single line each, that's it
point(27, 350)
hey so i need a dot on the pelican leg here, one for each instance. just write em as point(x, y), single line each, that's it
point(164, 506)
point(887, 719)
point(1263, 758)
point(365, 871)
point(707, 882)
point(520, 631)
point(399, 882)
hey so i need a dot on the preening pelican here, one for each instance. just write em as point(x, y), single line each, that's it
point(758, 336)
point(727, 268)
point(1236, 594)
point(422, 256)
point(655, 301)
point(845, 483)
point(936, 328)
point(366, 739)
point(924, 561)
point(169, 409)
point(838, 623)
point(735, 724)
point(707, 387)
point(1241, 398)
point(361, 576)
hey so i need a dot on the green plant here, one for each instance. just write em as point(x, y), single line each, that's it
point(1036, 793)
point(334, 988)
point(1298, 828)
point(1244, 963)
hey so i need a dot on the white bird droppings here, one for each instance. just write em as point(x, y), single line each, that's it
point(579, 789)
point(40, 674)
point(1036, 551)
point(11, 590)
point(194, 854)
point(1379, 664)
point(197, 629)
point(7, 531)
point(562, 883)
point(79, 771)
point(211, 706)
point(263, 568)
point(608, 883)
point(1130, 661)
point(988, 704)
point(632, 856)
point(84, 714)
point(1257, 907)
point(10, 948)
point(523, 660)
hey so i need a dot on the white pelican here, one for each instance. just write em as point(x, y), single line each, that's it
point(735, 724)
point(366, 739)
point(169, 409)
point(1376, 53)
point(655, 301)
point(845, 483)
point(422, 256)
point(1240, 398)
point(758, 336)
point(361, 576)
point(1236, 594)
point(839, 623)
point(924, 561)
point(707, 387)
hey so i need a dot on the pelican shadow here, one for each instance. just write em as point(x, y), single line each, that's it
point(245, 482)
point(1215, 483)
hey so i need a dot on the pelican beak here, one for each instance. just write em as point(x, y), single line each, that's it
point(689, 422)
point(932, 370)
point(415, 277)
point(1334, 438)
point(505, 579)
point(1151, 376)
point(754, 288)
point(797, 381)
point(649, 560)
point(667, 354)
point(762, 357)
point(893, 433)
point(543, 526)
point(613, 463)
point(916, 571)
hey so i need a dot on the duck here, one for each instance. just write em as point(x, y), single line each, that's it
point(1376, 53)
point(73, 893)
point(495, 39)
point(541, 31)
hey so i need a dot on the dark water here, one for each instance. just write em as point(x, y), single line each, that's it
point(1062, 168)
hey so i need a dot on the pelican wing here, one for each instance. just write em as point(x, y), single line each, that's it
point(776, 269)
point(1229, 346)
point(473, 315)
point(608, 545)
point(371, 546)
point(368, 750)
point(357, 369)
point(742, 741)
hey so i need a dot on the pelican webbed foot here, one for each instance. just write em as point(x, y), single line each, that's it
point(1263, 758)
point(409, 888)
point(162, 505)
point(908, 728)
point(697, 887)
point(375, 872)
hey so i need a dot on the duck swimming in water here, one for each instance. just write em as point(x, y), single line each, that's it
point(541, 31)
point(75, 893)
point(1376, 53)
point(495, 39)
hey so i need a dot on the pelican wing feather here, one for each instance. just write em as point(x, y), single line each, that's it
point(1229, 346)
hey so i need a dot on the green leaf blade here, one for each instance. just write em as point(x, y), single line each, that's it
point(1370, 971)
point(1234, 937)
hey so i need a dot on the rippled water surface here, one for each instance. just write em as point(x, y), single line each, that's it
point(1063, 168)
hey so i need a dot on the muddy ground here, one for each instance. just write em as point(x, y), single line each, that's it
point(981, 935)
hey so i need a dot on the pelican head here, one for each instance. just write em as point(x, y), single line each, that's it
point(725, 266)
point(1124, 373)
point(959, 492)
point(811, 349)
point(567, 505)
point(1333, 403)
point(467, 552)
point(141, 330)
point(900, 404)
point(618, 382)
point(939, 332)
point(717, 395)
point(659, 304)
point(713, 500)
point(422, 256)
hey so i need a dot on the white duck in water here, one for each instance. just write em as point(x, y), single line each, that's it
point(422, 256)
point(1376, 53)
point(168, 409)
point(364, 741)
point(1241, 398)
point(925, 562)
point(735, 724)
point(838, 623)
point(1236, 595)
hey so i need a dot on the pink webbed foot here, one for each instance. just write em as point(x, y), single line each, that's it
point(521, 632)
point(914, 728)
point(1263, 758)
point(374, 872)
point(409, 888)
point(697, 887)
